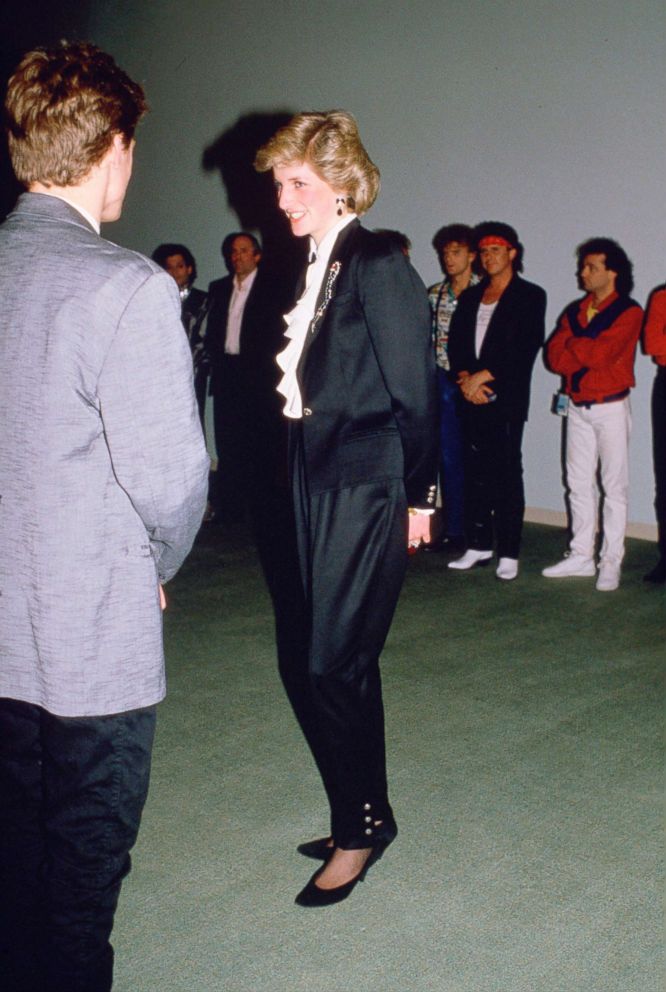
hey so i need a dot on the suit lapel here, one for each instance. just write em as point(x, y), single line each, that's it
point(339, 255)
point(498, 318)
point(336, 264)
point(247, 320)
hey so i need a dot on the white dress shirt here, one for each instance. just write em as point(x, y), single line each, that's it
point(239, 297)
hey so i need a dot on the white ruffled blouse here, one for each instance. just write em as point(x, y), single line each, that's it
point(299, 319)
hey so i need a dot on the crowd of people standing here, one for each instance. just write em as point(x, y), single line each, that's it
point(104, 472)
point(488, 328)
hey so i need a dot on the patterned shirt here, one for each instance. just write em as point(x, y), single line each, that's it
point(443, 303)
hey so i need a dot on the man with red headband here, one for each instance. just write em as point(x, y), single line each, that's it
point(593, 349)
point(496, 333)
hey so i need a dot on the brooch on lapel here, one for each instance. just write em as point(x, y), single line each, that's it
point(333, 274)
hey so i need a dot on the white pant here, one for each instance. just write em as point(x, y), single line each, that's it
point(599, 435)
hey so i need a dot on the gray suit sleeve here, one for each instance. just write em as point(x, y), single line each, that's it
point(151, 422)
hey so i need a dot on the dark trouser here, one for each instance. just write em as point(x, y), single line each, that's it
point(493, 480)
point(231, 419)
point(452, 455)
point(71, 795)
point(352, 550)
point(659, 454)
point(200, 391)
point(250, 437)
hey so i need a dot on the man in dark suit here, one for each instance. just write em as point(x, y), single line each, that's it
point(244, 333)
point(179, 262)
point(496, 333)
point(103, 475)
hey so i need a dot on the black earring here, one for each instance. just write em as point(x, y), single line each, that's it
point(339, 200)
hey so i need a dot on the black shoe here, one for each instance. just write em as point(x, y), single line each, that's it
point(312, 895)
point(658, 573)
point(433, 547)
point(456, 545)
point(320, 849)
point(446, 545)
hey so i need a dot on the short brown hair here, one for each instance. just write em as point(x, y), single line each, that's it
point(64, 105)
point(330, 144)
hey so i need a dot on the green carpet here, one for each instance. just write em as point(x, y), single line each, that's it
point(524, 746)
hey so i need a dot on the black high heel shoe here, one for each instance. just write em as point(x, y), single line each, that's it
point(320, 849)
point(312, 895)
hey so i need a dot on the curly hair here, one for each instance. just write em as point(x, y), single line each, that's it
point(616, 260)
point(462, 233)
point(498, 229)
point(64, 104)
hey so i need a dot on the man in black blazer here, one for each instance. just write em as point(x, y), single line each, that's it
point(496, 333)
point(244, 333)
point(179, 262)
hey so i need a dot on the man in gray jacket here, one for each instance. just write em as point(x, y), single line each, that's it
point(103, 476)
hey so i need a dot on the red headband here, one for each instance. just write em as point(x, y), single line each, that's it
point(494, 239)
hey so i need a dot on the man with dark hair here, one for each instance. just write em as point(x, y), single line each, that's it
point(593, 349)
point(454, 245)
point(103, 475)
point(496, 333)
point(654, 342)
point(244, 333)
point(179, 262)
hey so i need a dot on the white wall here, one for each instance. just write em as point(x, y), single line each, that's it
point(549, 115)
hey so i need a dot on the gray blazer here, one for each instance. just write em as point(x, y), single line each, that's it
point(103, 468)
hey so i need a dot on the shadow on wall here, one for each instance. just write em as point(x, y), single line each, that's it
point(23, 27)
point(251, 195)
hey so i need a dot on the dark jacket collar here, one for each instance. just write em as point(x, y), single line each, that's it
point(341, 248)
point(345, 241)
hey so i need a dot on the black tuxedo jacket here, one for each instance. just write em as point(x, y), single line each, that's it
point(192, 306)
point(367, 373)
point(193, 311)
point(262, 329)
point(513, 339)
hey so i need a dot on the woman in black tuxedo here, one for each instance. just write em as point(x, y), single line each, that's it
point(495, 335)
point(359, 388)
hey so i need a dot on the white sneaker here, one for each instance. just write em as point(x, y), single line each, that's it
point(571, 565)
point(470, 559)
point(609, 577)
point(507, 569)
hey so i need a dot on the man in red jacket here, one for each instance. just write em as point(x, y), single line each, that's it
point(593, 349)
point(654, 342)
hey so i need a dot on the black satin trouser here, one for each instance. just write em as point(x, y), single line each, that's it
point(352, 554)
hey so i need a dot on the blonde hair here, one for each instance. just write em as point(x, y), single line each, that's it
point(64, 104)
point(329, 143)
